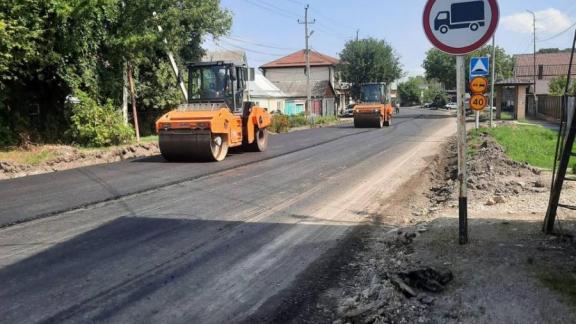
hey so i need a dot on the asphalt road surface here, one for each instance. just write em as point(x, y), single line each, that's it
point(146, 241)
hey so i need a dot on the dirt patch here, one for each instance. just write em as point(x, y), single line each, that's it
point(66, 157)
point(509, 272)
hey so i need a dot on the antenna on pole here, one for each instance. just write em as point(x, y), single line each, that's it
point(307, 35)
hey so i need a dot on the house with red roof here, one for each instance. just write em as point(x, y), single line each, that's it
point(288, 73)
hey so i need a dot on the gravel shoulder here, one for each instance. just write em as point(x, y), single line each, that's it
point(509, 272)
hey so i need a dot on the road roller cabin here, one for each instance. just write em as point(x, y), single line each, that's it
point(218, 116)
point(374, 109)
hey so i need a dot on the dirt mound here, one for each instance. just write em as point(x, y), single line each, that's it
point(67, 157)
point(492, 176)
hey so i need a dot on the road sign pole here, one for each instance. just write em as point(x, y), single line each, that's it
point(462, 197)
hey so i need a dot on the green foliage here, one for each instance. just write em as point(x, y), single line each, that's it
point(369, 60)
point(442, 67)
point(557, 86)
point(280, 123)
point(534, 145)
point(96, 125)
point(554, 50)
point(435, 94)
point(410, 90)
point(52, 48)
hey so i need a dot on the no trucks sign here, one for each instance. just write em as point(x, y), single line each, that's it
point(459, 27)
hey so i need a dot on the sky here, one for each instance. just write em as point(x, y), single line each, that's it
point(269, 29)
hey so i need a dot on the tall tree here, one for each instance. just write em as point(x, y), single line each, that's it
point(410, 91)
point(53, 48)
point(369, 60)
point(442, 67)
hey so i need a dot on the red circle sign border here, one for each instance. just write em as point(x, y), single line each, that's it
point(460, 50)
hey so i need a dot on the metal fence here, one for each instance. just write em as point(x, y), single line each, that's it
point(549, 107)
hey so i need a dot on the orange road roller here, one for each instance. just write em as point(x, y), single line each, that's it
point(374, 109)
point(218, 116)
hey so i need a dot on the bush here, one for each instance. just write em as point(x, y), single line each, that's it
point(96, 125)
point(298, 120)
point(280, 123)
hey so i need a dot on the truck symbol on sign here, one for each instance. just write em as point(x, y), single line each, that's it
point(461, 15)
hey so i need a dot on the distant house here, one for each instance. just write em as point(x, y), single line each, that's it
point(288, 74)
point(265, 94)
point(548, 67)
point(516, 95)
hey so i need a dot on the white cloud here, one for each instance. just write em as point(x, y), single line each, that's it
point(548, 21)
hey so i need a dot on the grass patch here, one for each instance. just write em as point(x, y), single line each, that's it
point(506, 115)
point(534, 145)
point(282, 123)
point(148, 139)
point(33, 157)
point(563, 282)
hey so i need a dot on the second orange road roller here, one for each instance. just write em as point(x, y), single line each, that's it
point(374, 109)
point(218, 116)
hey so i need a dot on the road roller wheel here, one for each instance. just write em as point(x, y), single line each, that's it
point(260, 141)
point(194, 147)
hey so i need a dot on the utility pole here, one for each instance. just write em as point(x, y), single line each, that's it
point(534, 25)
point(493, 78)
point(357, 32)
point(307, 36)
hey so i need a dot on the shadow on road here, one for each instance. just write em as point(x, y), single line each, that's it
point(134, 268)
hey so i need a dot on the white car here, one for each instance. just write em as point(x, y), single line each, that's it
point(452, 105)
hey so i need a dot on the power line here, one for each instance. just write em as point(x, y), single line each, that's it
point(559, 34)
point(270, 9)
point(237, 39)
point(249, 49)
point(278, 8)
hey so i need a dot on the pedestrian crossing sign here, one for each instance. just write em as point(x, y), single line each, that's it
point(479, 66)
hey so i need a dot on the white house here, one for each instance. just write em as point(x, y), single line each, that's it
point(265, 94)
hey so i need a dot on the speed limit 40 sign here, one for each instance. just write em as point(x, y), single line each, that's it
point(478, 102)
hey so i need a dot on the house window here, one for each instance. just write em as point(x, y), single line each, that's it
point(278, 105)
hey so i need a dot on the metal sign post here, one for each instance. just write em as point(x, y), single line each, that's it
point(462, 195)
point(459, 28)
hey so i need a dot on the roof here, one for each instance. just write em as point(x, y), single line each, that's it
point(298, 59)
point(542, 59)
point(262, 87)
point(298, 88)
point(513, 82)
point(236, 57)
point(548, 65)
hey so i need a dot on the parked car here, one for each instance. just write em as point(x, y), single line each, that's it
point(426, 105)
point(451, 105)
point(348, 111)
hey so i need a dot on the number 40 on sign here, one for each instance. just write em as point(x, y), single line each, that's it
point(478, 102)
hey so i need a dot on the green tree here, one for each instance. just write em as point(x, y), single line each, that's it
point(50, 49)
point(557, 87)
point(435, 94)
point(369, 60)
point(410, 90)
point(442, 67)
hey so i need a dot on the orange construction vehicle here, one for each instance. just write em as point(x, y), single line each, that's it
point(217, 116)
point(374, 109)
